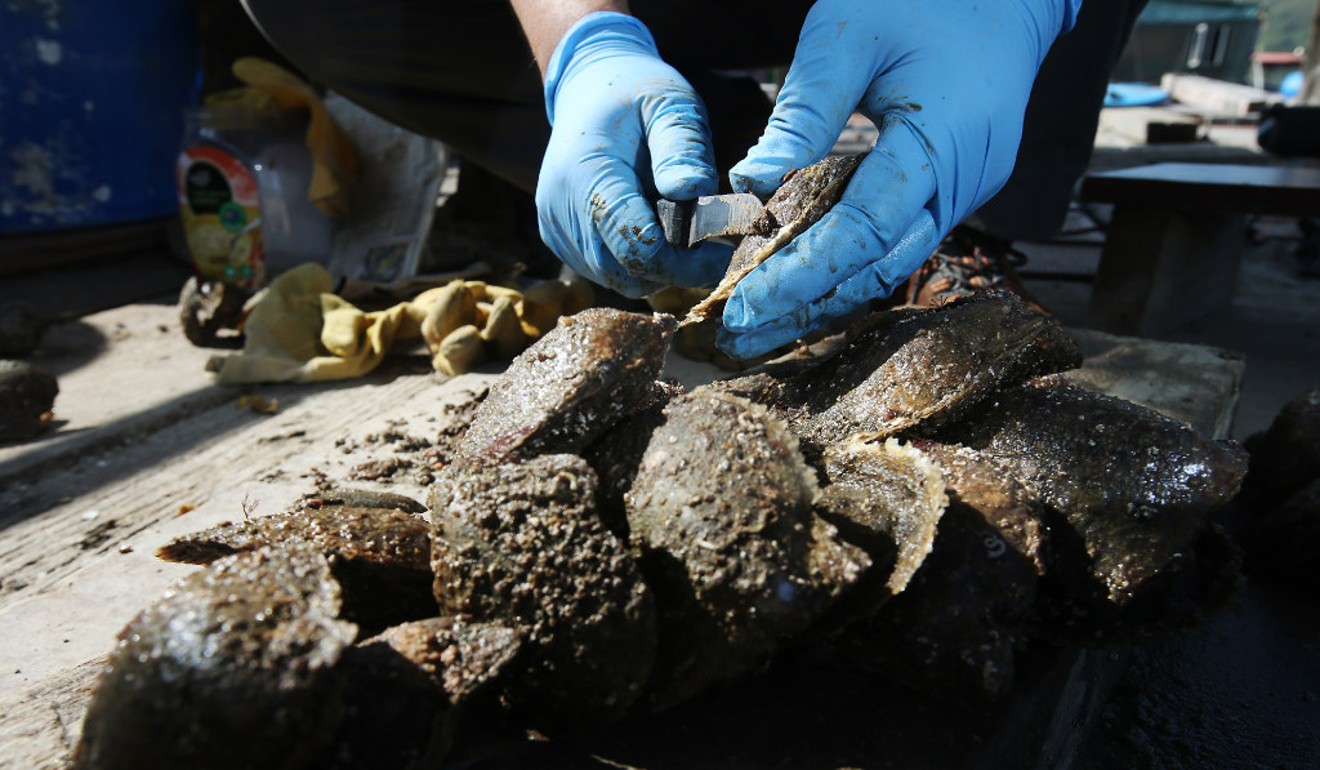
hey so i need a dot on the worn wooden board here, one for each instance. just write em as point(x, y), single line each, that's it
point(1150, 125)
point(1218, 96)
point(150, 449)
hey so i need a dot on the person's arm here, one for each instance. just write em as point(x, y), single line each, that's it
point(545, 21)
point(626, 128)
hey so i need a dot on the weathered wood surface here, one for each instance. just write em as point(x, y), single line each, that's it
point(148, 449)
point(1218, 96)
point(1280, 190)
point(1151, 125)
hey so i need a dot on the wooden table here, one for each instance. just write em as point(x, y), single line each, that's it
point(1177, 235)
point(147, 448)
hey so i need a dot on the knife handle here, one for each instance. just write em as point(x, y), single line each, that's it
point(676, 220)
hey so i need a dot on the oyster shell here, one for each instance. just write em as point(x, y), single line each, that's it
point(616, 455)
point(235, 667)
point(1134, 486)
point(1286, 456)
point(521, 544)
point(799, 203)
point(570, 386)
point(916, 367)
point(966, 612)
point(409, 689)
point(721, 509)
point(27, 394)
point(887, 498)
point(381, 558)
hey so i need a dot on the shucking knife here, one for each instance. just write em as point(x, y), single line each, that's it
point(687, 223)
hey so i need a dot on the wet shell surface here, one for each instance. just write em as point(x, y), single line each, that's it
point(721, 509)
point(965, 614)
point(224, 669)
point(380, 557)
point(799, 203)
point(571, 386)
point(1134, 486)
point(915, 366)
point(887, 497)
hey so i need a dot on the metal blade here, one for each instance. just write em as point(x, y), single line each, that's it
point(711, 216)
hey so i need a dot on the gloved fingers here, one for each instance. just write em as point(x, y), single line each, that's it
point(761, 340)
point(593, 261)
point(803, 271)
point(625, 223)
point(571, 233)
point(880, 278)
point(897, 183)
point(702, 265)
point(888, 192)
point(823, 87)
point(682, 158)
point(873, 281)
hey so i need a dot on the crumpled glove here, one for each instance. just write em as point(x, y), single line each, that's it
point(626, 129)
point(946, 82)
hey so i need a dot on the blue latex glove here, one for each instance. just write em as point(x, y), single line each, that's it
point(946, 82)
point(626, 127)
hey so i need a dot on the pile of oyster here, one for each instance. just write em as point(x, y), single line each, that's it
point(924, 501)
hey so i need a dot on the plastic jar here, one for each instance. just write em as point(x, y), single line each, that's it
point(242, 178)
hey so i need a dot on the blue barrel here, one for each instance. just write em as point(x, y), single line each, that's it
point(91, 108)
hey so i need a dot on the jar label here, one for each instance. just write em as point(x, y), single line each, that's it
point(220, 209)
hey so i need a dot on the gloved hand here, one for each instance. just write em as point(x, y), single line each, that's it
point(626, 128)
point(946, 82)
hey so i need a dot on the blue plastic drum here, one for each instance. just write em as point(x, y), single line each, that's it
point(91, 108)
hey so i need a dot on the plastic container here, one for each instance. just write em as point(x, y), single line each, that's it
point(91, 94)
point(242, 179)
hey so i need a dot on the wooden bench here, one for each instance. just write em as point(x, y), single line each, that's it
point(1177, 235)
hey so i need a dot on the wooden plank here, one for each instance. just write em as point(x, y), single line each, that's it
point(1217, 95)
point(1161, 268)
point(1280, 190)
point(1150, 125)
point(76, 553)
point(1197, 384)
point(121, 371)
point(81, 542)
